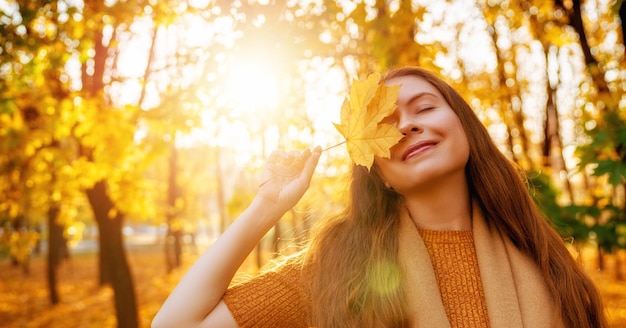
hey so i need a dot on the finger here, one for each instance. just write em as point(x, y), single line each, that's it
point(294, 153)
point(311, 161)
point(276, 156)
point(288, 163)
point(301, 158)
point(291, 158)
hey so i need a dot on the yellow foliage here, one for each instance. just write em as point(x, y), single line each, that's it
point(21, 244)
point(112, 213)
point(368, 104)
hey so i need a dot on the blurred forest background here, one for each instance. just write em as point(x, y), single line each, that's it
point(132, 132)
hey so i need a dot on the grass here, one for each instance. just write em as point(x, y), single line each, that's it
point(24, 299)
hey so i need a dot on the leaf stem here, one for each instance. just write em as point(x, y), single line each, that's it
point(337, 145)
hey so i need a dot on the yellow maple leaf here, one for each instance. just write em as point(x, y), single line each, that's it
point(361, 114)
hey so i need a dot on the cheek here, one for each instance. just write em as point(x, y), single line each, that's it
point(462, 145)
point(393, 173)
point(385, 168)
point(382, 164)
point(394, 153)
point(459, 132)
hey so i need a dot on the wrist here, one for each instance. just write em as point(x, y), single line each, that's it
point(266, 211)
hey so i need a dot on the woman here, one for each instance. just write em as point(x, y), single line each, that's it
point(441, 234)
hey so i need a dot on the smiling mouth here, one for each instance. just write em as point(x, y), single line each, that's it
point(417, 149)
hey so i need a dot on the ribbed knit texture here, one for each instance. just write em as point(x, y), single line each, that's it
point(279, 299)
point(274, 299)
point(453, 256)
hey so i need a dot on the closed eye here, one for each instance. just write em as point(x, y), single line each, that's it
point(425, 108)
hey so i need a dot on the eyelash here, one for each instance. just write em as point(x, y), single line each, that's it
point(421, 109)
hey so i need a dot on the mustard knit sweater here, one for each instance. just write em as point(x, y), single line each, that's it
point(280, 298)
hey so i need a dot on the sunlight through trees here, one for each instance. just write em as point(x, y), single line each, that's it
point(130, 114)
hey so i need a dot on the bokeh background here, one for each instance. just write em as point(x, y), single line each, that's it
point(132, 132)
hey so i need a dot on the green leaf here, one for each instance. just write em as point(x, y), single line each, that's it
point(616, 171)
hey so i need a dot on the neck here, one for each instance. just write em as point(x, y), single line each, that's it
point(444, 206)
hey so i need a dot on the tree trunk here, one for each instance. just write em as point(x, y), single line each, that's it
point(173, 247)
point(173, 243)
point(55, 252)
point(600, 258)
point(511, 115)
point(113, 263)
point(114, 268)
point(576, 22)
point(552, 143)
point(221, 198)
point(622, 16)
point(20, 227)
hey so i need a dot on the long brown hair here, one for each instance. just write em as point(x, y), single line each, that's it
point(357, 251)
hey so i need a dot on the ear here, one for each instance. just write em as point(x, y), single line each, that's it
point(387, 184)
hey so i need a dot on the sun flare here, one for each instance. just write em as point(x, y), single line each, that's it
point(252, 86)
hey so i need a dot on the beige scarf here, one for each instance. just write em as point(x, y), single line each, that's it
point(515, 291)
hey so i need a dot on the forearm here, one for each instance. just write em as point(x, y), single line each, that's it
point(205, 283)
point(287, 177)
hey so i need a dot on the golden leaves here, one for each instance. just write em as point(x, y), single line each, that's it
point(361, 115)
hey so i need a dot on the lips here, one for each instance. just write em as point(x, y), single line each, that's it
point(417, 148)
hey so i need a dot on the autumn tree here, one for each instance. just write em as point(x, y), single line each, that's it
point(77, 136)
point(38, 145)
point(604, 109)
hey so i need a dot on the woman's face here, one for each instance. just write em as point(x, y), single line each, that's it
point(434, 144)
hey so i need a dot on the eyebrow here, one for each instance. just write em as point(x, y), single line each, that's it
point(420, 95)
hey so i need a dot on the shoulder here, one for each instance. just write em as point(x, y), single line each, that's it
point(278, 295)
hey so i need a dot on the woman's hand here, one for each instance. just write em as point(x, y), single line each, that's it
point(287, 176)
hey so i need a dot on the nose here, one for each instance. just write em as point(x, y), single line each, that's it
point(407, 125)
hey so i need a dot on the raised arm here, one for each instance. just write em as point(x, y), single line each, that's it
point(196, 300)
